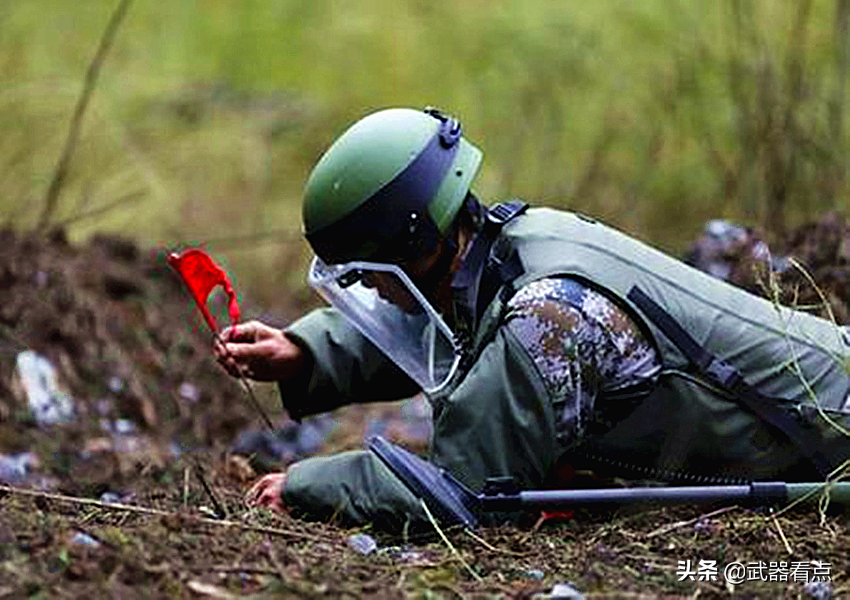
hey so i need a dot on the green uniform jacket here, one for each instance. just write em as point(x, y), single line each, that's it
point(495, 417)
point(496, 421)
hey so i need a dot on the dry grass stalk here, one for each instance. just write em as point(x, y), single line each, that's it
point(665, 529)
point(160, 513)
point(448, 543)
point(61, 171)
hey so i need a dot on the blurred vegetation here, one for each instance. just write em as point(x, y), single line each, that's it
point(208, 115)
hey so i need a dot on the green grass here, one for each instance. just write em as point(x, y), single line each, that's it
point(211, 113)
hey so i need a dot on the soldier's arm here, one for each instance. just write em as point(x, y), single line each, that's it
point(321, 362)
point(343, 367)
point(497, 422)
point(353, 487)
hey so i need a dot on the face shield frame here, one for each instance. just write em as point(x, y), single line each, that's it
point(401, 322)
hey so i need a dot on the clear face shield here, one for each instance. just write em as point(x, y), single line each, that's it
point(386, 307)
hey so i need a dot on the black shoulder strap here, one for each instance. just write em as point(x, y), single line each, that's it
point(729, 378)
point(466, 282)
point(501, 213)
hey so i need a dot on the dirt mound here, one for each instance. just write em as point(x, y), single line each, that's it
point(809, 269)
point(823, 251)
point(124, 340)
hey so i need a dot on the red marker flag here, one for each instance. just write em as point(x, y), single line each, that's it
point(201, 275)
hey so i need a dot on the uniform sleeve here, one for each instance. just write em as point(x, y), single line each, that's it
point(346, 368)
point(584, 346)
point(355, 487)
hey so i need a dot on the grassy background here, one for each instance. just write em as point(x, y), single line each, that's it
point(655, 116)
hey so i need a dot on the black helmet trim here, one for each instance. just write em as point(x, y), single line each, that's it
point(394, 224)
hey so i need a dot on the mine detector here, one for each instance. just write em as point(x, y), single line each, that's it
point(452, 503)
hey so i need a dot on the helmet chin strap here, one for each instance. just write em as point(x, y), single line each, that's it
point(429, 282)
point(467, 282)
point(434, 279)
point(460, 309)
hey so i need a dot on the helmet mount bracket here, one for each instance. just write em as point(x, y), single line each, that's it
point(450, 129)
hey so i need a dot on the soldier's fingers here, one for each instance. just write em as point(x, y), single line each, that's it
point(265, 498)
point(267, 492)
point(254, 493)
point(218, 349)
point(226, 360)
point(257, 490)
point(242, 332)
point(270, 497)
point(245, 354)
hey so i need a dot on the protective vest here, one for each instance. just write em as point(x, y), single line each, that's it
point(732, 364)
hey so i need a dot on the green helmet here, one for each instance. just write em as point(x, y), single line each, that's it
point(389, 188)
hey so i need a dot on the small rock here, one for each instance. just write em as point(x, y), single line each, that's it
point(47, 403)
point(561, 591)
point(406, 554)
point(15, 467)
point(264, 447)
point(123, 426)
point(818, 590)
point(84, 539)
point(189, 392)
point(111, 498)
point(291, 442)
point(115, 384)
point(535, 574)
point(118, 427)
point(725, 249)
point(703, 526)
point(363, 543)
point(412, 556)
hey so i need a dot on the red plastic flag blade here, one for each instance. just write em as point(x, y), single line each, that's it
point(201, 275)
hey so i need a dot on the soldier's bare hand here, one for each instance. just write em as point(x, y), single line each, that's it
point(268, 492)
point(258, 351)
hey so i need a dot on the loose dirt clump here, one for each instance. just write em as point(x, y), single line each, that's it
point(822, 249)
point(808, 270)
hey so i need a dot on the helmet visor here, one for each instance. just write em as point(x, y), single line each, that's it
point(382, 302)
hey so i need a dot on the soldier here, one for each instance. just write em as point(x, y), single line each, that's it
point(539, 337)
